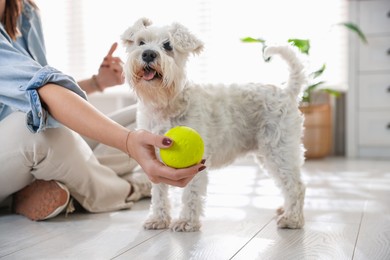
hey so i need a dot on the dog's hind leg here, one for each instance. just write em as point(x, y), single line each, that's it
point(285, 169)
point(159, 217)
point(193, 204)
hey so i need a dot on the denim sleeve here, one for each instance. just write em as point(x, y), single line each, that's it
point(20, 77)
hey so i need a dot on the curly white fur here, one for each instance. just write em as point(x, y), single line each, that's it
point(232, 120)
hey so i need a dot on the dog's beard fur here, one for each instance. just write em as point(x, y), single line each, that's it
point(167, 83)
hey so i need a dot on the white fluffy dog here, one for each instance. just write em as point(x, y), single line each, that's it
point(232, 120)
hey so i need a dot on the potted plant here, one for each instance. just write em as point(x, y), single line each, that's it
point(317, 137)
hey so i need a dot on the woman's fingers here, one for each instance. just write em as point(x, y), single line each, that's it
point(112, 49)
point(158, 172)
point(172, 176)
point(117, 68)
point(109, 61)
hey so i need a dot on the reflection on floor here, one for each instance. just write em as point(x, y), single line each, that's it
point(347, 211)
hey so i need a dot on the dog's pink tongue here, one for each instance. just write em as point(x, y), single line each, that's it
point(149, 75)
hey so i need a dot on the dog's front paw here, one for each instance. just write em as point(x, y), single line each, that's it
point(182, 225)
point(156, 223)
point(293, 221)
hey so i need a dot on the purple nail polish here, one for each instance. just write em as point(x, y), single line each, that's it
point(201, 168)
point(167, 141)
point(203, 161)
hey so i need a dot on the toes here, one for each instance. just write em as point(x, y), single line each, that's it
point(184, 226)
point(290, 221)
point(154, 223)
point(280, 211)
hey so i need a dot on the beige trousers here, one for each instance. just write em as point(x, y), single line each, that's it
point(94, 173)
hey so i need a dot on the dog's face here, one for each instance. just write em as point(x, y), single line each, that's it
point(157, 56)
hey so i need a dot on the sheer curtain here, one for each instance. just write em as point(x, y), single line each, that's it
point(80, 32)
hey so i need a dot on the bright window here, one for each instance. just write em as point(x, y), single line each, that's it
point(80, 32)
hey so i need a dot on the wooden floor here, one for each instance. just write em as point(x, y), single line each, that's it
point(347, 217)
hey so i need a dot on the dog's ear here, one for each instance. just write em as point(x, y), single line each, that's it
point(184, 40)
point(128, 36)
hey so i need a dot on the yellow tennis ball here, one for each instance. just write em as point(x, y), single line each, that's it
point(187, 148)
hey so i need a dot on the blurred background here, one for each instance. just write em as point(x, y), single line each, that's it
point(79, 33)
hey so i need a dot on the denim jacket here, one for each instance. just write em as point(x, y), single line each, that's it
point(23, 69)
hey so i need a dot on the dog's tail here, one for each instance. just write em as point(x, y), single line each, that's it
point(297, 78)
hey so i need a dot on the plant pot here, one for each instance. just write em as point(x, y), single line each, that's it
point(317, 137)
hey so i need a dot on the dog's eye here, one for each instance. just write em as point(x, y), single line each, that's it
point(167, 46)
point(141, 43)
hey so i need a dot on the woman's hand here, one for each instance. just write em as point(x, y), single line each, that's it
point(111, 70)
point(141, 146)
point(110, 74)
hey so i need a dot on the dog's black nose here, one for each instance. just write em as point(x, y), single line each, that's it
point(149, 56)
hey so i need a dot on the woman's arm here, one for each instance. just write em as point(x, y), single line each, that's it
point(74, 112)
point(20, 77)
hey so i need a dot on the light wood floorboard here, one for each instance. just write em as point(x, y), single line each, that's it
point(347, 211)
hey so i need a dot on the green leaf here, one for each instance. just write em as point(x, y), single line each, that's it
point(332, 92)
point(258, 40)
point(354, 28)
point(319, 72)
point(302, 44)
point(250, 39)
point(314, 86)
point(306, 98)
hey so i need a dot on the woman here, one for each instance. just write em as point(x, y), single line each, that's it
point(43, 112)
